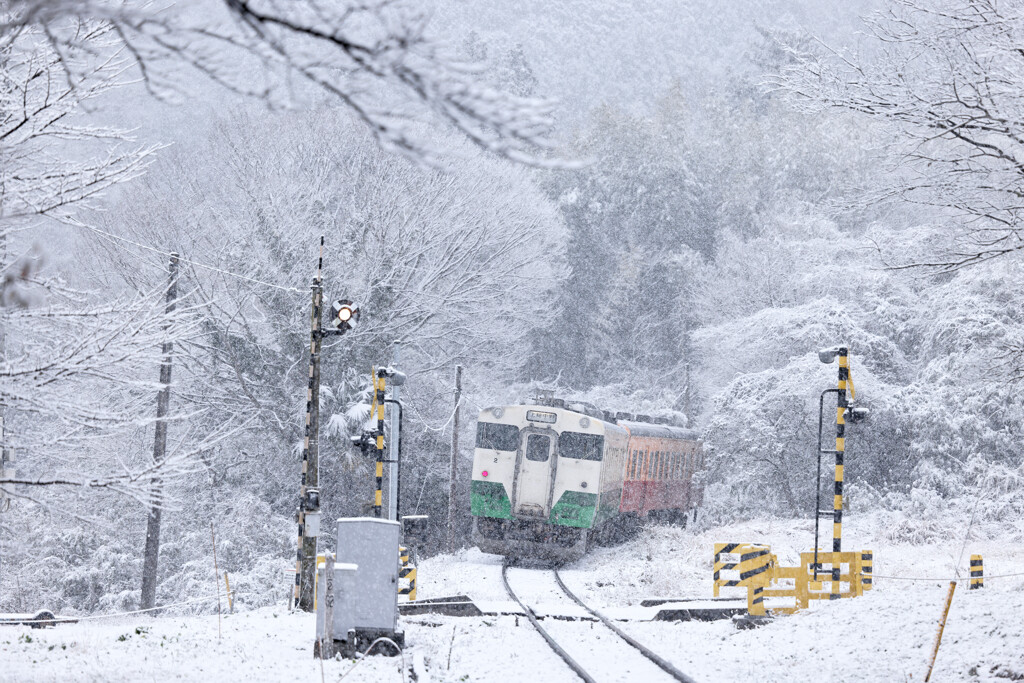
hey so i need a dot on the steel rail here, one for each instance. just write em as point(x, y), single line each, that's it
point(573, 664)
point(662, 664)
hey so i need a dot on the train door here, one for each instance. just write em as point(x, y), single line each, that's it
point(535, 469)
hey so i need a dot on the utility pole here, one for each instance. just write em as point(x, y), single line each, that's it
point(453, 463)
point(306, 557)
point(163, 402)
point(393, 441)
point(686, 398)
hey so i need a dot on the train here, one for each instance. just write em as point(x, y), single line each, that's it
point(553, 477)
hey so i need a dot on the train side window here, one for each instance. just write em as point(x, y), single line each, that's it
point(498, 437)
point(580, 446)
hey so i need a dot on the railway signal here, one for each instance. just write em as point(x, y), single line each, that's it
point(846, 412)
point(346, 313)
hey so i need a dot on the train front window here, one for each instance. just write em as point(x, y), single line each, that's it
point(580, 446)
point(538, 447)
point(497, 437)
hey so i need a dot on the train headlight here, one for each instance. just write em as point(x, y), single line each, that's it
point(497, 412)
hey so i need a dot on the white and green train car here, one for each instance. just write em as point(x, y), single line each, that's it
point(545, 476)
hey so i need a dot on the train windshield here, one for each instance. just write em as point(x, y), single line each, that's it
point(580, 446)
point(497, 437)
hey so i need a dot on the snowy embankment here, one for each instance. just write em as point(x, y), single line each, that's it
point(884, 636)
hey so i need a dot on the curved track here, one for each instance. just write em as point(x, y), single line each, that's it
point(572, 663)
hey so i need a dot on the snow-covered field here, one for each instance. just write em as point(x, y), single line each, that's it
point(884, 636)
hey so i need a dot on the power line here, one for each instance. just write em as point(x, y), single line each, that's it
point(918, 578)
point(197, 264)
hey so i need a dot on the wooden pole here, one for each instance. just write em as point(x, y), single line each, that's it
point(227, 590)
point(686, 398)
point(305, 561)
point(942, 627)
point(453, 463)
point(216, 576)
point(163, 402)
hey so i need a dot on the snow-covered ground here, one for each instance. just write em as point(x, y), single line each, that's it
point(884, 636)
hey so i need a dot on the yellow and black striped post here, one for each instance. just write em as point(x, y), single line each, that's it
point(407, 571)
point(837, 503)
point(378, 407)
point(867, 559)
point(977, 573)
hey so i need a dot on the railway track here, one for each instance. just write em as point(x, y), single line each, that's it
point(572, 663)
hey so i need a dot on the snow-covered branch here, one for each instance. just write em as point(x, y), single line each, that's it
point(376, 58)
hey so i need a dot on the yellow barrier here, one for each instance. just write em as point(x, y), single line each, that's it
point(754, 567)
point(744, 563)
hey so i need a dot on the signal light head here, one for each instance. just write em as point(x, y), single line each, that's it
point(855, 414)
point(826, 356)
point(346, 314)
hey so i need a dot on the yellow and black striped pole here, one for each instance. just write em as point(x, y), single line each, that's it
point(977, 573)
point(408, 571)
point(378, 407)
point(867, 569)
point(837, 502)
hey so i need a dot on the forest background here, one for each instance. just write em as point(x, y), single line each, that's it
point(730, 222)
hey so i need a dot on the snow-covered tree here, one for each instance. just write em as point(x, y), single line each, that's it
point(377, 59)
point(456, 265)
point(945, 79)
point(58, 345)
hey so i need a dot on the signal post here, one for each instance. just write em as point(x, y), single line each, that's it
point(345, 316)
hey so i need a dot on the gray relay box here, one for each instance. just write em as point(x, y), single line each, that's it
point(364, 584)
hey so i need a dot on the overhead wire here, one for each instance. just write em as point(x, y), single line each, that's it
point(197, 264)
point(111, 615)
point(937, 578)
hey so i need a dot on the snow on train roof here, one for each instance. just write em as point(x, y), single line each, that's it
point(659, 431)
